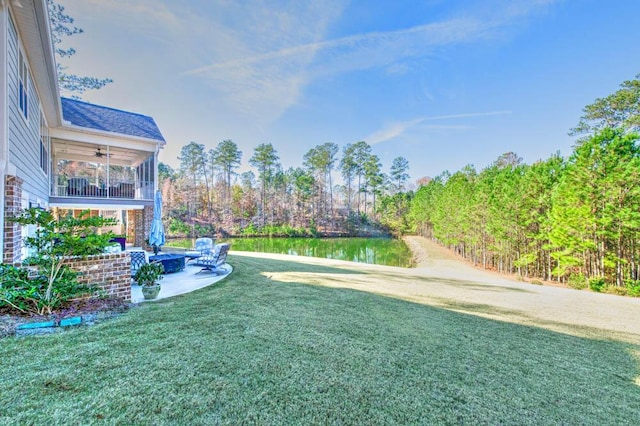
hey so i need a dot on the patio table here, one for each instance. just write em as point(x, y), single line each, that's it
point(171, 262)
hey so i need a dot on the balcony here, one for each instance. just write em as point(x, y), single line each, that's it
point(86, 173)
point(84, 187)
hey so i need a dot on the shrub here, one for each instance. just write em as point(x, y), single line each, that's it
point(633, 287)
point(577, 281)
point(55, 242)
point(20, 292)
point(596, 284)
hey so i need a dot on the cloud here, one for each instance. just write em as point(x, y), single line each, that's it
point(397, 129)
point(259, 58)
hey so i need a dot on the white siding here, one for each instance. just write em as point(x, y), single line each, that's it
point(24, 135)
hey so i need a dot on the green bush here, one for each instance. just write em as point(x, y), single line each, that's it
point(577, 281)
point(177, 227)
point(25, 294)
point(633, 287)
point(55, 243)
point(596, 284)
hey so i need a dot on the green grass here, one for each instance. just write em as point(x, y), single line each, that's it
point(250, 350)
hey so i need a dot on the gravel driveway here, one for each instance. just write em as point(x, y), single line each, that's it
point(445, 281)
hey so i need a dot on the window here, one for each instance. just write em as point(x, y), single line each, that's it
point(44, 145)
point(23, 86)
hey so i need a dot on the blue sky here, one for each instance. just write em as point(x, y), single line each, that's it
point(443, 83)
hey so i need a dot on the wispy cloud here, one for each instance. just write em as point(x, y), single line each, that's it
point(259, 58)
point(397, 129)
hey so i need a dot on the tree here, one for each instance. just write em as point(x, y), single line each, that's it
point(192, 164)
point(348, 171)
point(61, 27)
point(165, 171)
point(398, 172)
point(265, 159)
point(596, 215)
point(374, 179)
point(227, 156)
point(54, 243)
point(361, 153)
point(508, 159)
point(619, 109)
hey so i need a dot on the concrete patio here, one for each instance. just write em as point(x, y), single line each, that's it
point(189, 279)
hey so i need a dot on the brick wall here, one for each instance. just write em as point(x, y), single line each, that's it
point(12, 231)
point(139, 226)
point(110, 272)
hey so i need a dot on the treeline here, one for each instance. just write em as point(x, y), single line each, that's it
point(206, 195)
point(574, 220)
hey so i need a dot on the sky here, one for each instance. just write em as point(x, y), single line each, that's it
point(443, 83)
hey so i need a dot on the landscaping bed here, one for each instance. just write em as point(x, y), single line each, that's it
point(77, 312)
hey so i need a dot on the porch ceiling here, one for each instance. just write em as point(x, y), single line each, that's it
point(94, 153)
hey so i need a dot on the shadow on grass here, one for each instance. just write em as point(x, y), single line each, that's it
point(251, 350)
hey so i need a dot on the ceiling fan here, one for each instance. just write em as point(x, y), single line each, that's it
point(101, 154)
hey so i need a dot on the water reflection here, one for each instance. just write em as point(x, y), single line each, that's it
point(380, 251)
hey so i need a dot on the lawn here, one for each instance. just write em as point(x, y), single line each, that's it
point(251, 350)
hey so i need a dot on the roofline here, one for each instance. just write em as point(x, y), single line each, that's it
point(104, 133)
point(68, 125)
point(106, 107)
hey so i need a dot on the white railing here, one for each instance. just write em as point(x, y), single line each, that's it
point(77, 186)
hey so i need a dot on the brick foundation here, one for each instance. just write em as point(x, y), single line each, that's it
point(109, 272)
point(12, 231)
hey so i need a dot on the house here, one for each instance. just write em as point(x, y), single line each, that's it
point(65, 154)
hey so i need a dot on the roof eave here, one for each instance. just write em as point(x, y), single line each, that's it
point(32, 22)
point(104, 133)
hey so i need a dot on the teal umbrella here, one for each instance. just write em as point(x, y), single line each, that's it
point(156, 238)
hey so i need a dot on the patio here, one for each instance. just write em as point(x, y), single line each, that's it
point(191, 278)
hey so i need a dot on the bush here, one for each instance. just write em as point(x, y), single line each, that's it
point(25, 294)
point(577, 281)
point(633, 287)
point(55, 242)
point(596, 284)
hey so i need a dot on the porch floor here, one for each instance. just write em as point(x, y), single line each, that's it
point(185, 281)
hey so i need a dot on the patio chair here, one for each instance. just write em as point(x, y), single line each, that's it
point(138, 258)
point(76, 186)
point(204, 246)
point(213, 262)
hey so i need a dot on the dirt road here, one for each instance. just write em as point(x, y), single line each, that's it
point(445, 281)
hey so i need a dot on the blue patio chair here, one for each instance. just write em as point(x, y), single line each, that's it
point(214, 261)
point(138, 258)
point(204, 246)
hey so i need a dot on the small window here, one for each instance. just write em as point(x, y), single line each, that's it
point(23, 86)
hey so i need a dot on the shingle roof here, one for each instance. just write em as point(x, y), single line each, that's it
point(99, 117)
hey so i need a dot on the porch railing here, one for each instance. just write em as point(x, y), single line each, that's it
point(82, 187)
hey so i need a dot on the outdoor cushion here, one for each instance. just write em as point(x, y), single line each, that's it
point(212, 262)
point(138, 258)
point(204, 246)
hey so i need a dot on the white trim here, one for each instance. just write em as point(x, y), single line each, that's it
point(93, 206)
point(82, 134)
point(104, 133)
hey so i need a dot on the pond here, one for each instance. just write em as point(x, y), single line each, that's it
point(380, 251)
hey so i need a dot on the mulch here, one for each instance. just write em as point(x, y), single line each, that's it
point(90, 310)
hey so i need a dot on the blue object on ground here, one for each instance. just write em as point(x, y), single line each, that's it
point(36, 325)
point(70, 321)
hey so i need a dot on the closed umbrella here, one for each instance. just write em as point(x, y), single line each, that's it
point(156, 238)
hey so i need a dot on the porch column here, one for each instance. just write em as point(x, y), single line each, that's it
point(139, 226)
point(12, 231)
point(147, 218)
